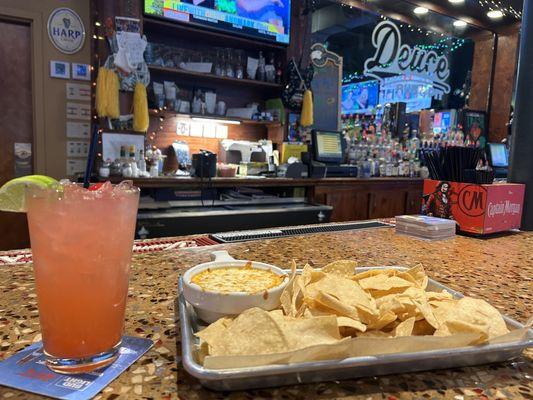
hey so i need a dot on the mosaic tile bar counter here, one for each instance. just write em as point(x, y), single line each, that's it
point(499, 270)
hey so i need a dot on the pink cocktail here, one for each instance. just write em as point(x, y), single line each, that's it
point(82, 244)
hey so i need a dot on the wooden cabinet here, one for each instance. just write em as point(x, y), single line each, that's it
point(386, 203)
point(363, 199)
point(413, 203)
point(349, 204)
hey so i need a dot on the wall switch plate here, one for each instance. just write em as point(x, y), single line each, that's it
point(77, 149)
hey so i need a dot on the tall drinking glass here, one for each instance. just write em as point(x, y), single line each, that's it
point(82, 244)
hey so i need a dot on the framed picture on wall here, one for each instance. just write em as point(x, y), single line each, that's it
point(81, 71)
point(60, 69)
point(475, 126)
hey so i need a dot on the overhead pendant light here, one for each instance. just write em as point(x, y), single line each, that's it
point(456, 1)
point(459, 23)
point(495, 14)
point(420, 10)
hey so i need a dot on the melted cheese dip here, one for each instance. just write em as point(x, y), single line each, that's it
point(237, 279)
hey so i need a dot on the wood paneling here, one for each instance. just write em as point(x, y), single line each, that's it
point(369, 199)
point(165, 135)
point(16, 104)
point(386, 203)
point(349, 203)
point(503, 85)
point(481, 71)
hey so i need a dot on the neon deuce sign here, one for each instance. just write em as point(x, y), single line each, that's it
point(394, 58)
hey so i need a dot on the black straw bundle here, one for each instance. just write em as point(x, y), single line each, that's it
point(449, 163)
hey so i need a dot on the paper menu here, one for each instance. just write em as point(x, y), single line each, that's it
point(130, 50)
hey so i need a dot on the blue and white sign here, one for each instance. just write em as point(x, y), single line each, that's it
point(26, 370)
point(66, 30)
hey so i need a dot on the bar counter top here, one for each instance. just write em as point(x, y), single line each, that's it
point(187, 181)
point(499, 269)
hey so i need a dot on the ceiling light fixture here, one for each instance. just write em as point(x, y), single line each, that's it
point(495, 14)
point(420, 10)
point(456, 1)
point(459, 23)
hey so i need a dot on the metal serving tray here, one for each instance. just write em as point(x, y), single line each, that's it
point(354, 367)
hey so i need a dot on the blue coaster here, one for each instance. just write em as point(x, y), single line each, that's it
point(26, 370)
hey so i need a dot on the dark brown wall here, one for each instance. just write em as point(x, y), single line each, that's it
point(481, 71)
point(503, 84)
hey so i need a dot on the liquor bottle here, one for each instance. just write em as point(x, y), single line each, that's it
point(261, 73)
point(142, 162)
point(279, 73)
point(133, 163)
point(122, 157)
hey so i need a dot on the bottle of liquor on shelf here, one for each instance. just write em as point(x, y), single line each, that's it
point(133, 162)
point(279, 73)
point(261, 73)
point(122, 157)
point(270, 69)
point(142, 162)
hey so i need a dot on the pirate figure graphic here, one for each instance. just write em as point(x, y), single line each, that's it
point(439, 203)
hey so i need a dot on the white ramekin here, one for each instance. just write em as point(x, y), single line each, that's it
point(211, 306)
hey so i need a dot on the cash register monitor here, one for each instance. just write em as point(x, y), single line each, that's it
point(499, 159)
point(328, 146)
point(498, 155)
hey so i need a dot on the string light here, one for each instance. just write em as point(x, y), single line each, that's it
point(496, 5)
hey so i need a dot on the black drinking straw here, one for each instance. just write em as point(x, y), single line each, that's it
point(90, 158)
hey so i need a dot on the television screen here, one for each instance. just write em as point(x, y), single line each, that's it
point(263, 19)
point(444, 121)
point(360, 98)
point(441, 122)
point(416, 92)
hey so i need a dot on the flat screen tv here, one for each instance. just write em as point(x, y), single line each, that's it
point(416, 92)
point(360, 98)
point(263, 19)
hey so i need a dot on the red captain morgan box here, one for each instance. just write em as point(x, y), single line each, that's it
point(479, 209)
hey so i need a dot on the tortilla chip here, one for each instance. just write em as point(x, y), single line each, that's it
point(416, 275)
point(422, 328)
point(214, 330)
point(346, 322)
point(344, 290)
point(254, 331)
point(373, 272)
point(286, 298)
point(439, 296)
point(337, 307)
point(383, 320)
point(341, 267)
point(471, 315)
point(405, 328)
point(384, 283)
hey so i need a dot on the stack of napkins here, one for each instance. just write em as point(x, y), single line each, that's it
point(425, 227)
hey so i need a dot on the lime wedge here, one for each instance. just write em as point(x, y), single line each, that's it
point(12, 193)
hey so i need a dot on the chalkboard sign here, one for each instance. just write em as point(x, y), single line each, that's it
point(326, 88)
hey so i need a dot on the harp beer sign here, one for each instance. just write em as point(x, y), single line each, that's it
point(66, 30)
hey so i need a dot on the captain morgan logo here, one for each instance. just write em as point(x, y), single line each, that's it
point(66, 30)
